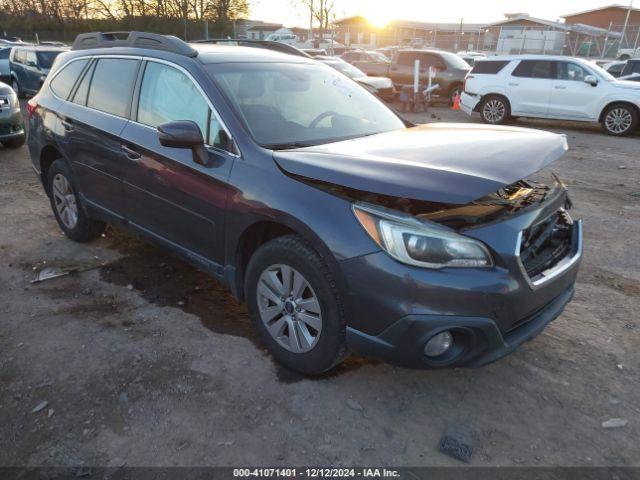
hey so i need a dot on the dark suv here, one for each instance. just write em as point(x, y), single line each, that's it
point(30, 65)
point(339, 225)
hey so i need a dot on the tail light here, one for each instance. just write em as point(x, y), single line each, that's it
point(32, 106)
point(464, 84)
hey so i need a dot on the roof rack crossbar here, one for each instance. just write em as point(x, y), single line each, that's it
point(153, 41)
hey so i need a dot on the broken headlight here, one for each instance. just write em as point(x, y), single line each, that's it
point(420, 242)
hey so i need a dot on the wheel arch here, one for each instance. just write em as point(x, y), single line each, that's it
point(261, 231)
point(492, 93)
point(617, 102)
point(48, 155)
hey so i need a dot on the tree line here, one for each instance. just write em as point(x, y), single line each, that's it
point(63, 19)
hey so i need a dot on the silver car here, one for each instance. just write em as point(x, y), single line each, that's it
point(12, 133)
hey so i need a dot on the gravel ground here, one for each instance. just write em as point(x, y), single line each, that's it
point(146, 361)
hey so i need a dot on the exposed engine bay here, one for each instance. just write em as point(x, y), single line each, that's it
point(497, 206)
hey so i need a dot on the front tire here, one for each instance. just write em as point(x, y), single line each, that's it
point(495, 109)
point(619, 119)
point(67, 207)
point(294, 303)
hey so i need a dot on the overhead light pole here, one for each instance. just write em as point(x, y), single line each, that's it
point(626, 23)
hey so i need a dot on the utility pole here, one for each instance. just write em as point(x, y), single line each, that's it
point(626, 22)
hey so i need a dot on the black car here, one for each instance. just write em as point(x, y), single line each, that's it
point(342, 227)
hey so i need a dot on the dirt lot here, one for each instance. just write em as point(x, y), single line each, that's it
point(146, 361)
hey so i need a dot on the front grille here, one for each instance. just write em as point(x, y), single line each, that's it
point(546, 243)
point(5, 129)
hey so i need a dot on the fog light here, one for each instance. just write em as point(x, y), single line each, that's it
point(438, 344)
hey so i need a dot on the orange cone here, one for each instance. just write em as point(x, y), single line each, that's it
point(456, 102)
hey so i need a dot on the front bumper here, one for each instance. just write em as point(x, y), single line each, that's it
point(11, 124)
point(468, 102)
point(396, 308)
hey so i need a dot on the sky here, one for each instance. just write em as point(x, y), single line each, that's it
point(290, 13)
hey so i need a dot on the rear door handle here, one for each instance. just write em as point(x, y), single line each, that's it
point(130, 153)
point(560, 87)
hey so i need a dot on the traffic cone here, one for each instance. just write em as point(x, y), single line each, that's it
point(456, 102)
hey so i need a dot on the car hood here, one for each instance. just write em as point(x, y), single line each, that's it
point(5, 89)
point(375, 82)
point(627, 84)
point(444, 163)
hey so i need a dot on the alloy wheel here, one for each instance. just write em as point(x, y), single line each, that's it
point(618, 120)
point(65, 201)
point(494, 111)
point(289, 308)
point(15, 86)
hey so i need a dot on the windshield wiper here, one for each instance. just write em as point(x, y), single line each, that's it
point(286, 145)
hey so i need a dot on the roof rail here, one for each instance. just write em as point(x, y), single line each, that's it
point(266, 44)
point(153, 41)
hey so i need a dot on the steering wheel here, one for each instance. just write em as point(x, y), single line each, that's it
point(322, 116)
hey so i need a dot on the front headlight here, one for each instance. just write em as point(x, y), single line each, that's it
point(420, 242)
point(13, 101)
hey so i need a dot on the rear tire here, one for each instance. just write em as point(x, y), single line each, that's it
point(14, 142)
point(302, 324)
point(495, 109)
point(66, 205)
point(619, 119)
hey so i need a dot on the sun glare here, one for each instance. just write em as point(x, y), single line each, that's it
point(378, 16)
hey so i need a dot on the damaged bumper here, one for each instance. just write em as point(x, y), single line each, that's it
point(488, 311)
point(468, 102)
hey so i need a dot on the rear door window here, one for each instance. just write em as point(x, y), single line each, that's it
point(406, 58)
point(63, 82)
point(490, 67)
point(535, 69)
point(112, 85)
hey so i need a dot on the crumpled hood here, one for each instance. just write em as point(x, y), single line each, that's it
point(440, 162)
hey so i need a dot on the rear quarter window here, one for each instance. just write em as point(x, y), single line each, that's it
point(489, 67)
point(63, 82)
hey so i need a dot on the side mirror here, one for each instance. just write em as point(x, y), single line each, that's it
point(591, 80)
point(184, 134)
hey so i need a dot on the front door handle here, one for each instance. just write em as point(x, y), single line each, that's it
point(130, 153)
point(560, 87)
point(514, 84)
point(67, 125)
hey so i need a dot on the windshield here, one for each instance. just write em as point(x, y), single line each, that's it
point(348, 69)
point(454, 61)
point(287, 105)
point(601, 71)
point(45, 59)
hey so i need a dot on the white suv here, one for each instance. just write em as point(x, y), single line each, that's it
point(561, 88)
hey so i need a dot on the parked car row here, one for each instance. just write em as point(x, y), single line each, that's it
point(551, 87)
